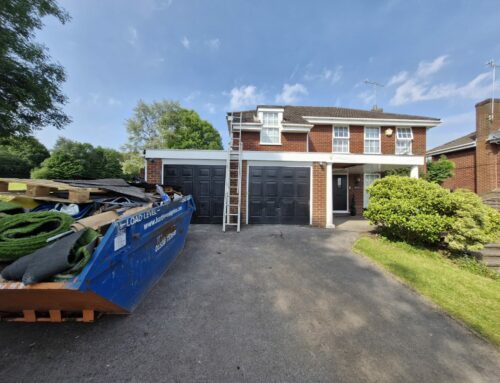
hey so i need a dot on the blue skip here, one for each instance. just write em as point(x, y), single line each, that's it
point(131, 258)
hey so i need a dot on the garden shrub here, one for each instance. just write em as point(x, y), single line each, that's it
point(424, 213)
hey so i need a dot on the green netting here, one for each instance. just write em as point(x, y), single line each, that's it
point(22, 234)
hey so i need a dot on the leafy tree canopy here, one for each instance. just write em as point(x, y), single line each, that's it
point(28, 148)
point(165, 124)
point(439, 170)
point(71, 159)
point(30, 84)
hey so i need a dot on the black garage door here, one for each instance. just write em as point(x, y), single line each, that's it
point(204, 183)
point(279, 195)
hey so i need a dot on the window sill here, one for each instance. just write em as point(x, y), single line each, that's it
point(341, 152)
point(269, 144)
point(376, 154)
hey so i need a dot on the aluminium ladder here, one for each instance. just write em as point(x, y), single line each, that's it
point(232, 190)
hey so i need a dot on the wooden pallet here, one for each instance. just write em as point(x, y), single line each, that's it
point(44, 190)
point(52, 316)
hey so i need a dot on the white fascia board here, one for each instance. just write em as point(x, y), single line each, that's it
point(298, 164)
point(452, 149)
point(286, 156)
point(296, 128)
point(265, 109)
point(248, 126)
point(182, 154)
point(370, 121)
point(186, 154)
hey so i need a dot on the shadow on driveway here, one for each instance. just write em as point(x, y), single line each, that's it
point(270, 304)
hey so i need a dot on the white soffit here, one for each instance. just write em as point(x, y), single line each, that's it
point(370, 121)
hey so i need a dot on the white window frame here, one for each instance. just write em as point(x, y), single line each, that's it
point(409, 139)
point(366, 197)
point(277, 126)
point(372, 139)
point(348, 138)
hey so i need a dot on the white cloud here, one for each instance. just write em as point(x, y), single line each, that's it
point(191, 96)
point(185, 42)
point(425, 69)
point(213, 44)
point(133, 36)
point(413, 90)
point(291, 93)
point(114, 102)
point(210, 108)
point(417, 86)
point(398, 78)
point(368, 97)
point(245, 95)
point(326, 75)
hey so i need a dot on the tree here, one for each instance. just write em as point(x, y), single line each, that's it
point(28, 148)
point(30, 84)
point(132, 165)
point(70, 159)
point(12, 165)
point(165, 124)
point(439, 170)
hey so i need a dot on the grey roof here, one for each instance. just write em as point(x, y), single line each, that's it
point(294, 114)
point(450, 146)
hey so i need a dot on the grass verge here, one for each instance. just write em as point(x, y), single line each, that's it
point(471, 298)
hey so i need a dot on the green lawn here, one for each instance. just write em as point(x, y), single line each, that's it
point(472, 298)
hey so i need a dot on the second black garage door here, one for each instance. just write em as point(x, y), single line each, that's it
point(279, 195)
point(205, 183)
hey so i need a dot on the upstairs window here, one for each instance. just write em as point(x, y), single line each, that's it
point(404, 137)
point(270, 133)
point(341, 139)
point(372, 140)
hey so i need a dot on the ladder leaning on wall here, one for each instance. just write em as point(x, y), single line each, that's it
point(232, 189)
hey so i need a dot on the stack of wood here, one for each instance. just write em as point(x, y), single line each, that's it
point(47, 190)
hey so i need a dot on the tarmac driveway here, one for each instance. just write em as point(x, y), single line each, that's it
point(270, 304)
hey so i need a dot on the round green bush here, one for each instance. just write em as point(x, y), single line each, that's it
point(421, 212)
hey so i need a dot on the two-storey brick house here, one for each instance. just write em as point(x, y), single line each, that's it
point(301, 165)
point(477, 154)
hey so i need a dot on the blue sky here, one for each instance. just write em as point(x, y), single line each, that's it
point(214, 56)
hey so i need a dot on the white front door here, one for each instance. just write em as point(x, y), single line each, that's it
point(368, 180)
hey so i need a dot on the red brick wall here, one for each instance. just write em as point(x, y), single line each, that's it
point(290, 142)
point(320, 138)
point(388, 143)
point(419, 141)
point(357, 139)
point(357, 190)
point(319, 195)
point(486, 154)
point(154, 171)
point(465, 170)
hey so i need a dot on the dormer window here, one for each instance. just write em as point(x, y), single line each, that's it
point(270, 133)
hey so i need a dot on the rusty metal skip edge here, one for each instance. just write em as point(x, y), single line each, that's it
point(131, 258)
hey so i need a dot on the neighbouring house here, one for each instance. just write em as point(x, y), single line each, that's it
point(299, 165)
point(476, 155)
